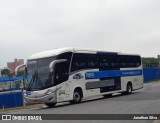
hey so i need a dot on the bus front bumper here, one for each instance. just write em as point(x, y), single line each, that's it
point(35, 98)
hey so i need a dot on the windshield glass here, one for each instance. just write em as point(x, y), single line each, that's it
point(38, 70)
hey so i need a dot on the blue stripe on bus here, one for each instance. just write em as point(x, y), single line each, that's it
point(112, 73)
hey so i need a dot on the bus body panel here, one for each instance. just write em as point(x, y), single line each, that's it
point(63, 94)
point(137, 81)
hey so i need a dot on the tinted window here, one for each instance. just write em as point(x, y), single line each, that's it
point(67, 56)
point(108, 61)
point(62, 69)
point(129, 61)
point(61, 73)
point(118, 61)
point(84, 61)
point(104, 61)
point(43, 64)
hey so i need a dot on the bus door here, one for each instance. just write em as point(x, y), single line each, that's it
point(61, 75)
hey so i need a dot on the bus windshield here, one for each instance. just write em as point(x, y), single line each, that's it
point(39, 71)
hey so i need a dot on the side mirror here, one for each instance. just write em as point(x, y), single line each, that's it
point(20, 67)
point(52, 64)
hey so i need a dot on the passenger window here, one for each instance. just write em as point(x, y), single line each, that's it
point(84, 61)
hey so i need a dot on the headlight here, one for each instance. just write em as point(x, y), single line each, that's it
point(49, 91)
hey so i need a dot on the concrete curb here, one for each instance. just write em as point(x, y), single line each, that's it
point(28, 107)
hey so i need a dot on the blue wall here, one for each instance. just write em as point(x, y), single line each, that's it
point(10, 95)
point(151, 74)
point(11, 99)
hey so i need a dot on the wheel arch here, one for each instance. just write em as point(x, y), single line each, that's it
point(129, 83)
point(78, 88)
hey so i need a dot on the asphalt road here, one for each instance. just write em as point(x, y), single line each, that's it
point(144, 101)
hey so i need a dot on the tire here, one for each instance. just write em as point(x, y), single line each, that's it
point(77, 96)
point(50, 104)
point(107, 95)
point(128, 89)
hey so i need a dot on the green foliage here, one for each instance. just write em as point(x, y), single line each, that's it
point(17, 84)
point(6, 72)
point(21, 73)
point(150, 62)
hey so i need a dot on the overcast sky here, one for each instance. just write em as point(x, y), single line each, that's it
point(30, 26)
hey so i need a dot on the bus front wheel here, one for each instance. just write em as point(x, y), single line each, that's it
point(107, 95)
point(50, 104)
point(77, 96)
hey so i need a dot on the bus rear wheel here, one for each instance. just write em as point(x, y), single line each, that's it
point(77, 96)
point(50, 104)
point(128, 89)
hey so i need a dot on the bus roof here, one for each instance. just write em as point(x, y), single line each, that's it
point(49, 53)
point(54, 52)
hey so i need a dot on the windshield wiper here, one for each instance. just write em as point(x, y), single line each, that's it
point(35, 79)
point(38, 81)
point(32, 81)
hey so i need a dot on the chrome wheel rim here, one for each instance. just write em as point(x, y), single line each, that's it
point(76, 96)
point(129, 89)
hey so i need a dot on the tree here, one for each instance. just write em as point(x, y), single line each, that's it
point(5, 72)
point(21, 73)
point(150, 62)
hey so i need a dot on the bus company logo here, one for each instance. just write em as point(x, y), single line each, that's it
point(6, 117)
point(78, 76)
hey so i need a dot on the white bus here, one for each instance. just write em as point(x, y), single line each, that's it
point(72, 74)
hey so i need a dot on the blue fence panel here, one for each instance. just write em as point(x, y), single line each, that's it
point(10, 94)
point(11, 99)
point(151, 74)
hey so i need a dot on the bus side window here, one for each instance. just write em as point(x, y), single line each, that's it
point(84, 61)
